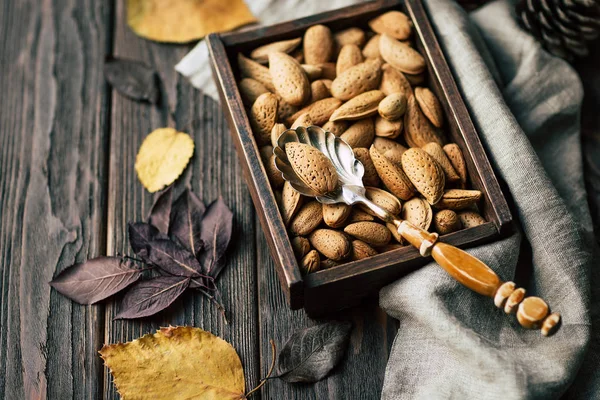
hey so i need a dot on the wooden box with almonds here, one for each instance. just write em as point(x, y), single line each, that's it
point(375, 76)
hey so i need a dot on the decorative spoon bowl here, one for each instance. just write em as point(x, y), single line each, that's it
point(532, 312)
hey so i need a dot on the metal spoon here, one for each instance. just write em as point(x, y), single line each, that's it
point(465, 268)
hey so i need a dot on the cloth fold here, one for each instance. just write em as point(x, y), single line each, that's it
point(526, 105)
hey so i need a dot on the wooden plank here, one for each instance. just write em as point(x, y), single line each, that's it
point(214, 170)
point(360, 375)
point(53, 140)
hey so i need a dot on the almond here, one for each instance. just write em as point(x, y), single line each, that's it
point(354, 35)
point(318, 45)
point(425, 174)
point(311, 262)
point(251, 69)
point(332, 244)
point(400, 56)
point(470, 219)
point(328, 70)
point(327, 263)
point(359, 215)
point(418, 131)
point(371, 49)
point(302, 120)
point(336, 127)
point(370, 177)
point(383, 199)
point(436, 151)
point(298, 55)
point(318, 91)
point(312, 71)
point(250, 89)
point(386, 128)
point(361, 250)
point(393, 23)
point(383, 145)
point(446, 221)
point(312, 167)
point(394, 81)
point(394, 231)
point(291, 201)
point(308, 218)
point(301, 246)
point(327, 83)
point(393, 106)
point(263, 116)
point(335, 215)
point(350, 55)
point(395, 156)
point(458, 162)
point(459, 199)
point(357, 79)
point(362, 106)
point(261, 54)
point(273, 173)
point(284, 109)
point(318, 112)
point(371, 233)
point(289, 79)
point(415, 79)
point(392, 176)
point(418, 212)
point(430, 106)
point(360, 133)
point(277, 130)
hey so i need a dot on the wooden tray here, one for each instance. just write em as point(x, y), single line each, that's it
point(346, 285)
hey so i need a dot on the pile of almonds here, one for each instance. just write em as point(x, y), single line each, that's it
point(364, 87)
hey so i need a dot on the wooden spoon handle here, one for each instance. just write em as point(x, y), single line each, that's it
point(532, 312)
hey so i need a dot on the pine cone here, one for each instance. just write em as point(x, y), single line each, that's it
point(566, 28)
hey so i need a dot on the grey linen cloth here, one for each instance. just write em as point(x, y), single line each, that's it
point(451, 342)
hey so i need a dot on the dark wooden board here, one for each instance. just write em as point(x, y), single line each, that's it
point(53, 154)
point(214, 170)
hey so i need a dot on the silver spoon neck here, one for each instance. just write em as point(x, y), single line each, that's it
point(380, 212)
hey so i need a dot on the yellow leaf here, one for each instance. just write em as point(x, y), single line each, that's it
point(176, 363)
point(162, 157)
point(181, 21)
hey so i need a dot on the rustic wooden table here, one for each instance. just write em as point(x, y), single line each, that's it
point(68, 188)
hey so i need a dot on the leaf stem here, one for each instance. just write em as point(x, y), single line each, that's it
point(216, 302)
point(264, 380)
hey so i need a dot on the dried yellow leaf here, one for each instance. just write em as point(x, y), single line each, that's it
point(181, 21)
point(162, 157)
point(176, 363)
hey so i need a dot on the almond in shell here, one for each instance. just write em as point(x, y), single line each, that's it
point(371, 233)
point(311, 262)
point(302, 120)
point(401, 56)
point(393, 106)
point(393, 23)
point(284, 109)
point(312, 167)
point(335, 215)
point(354, 35)
point(277, 130)
point(251, 69)
point(383, 199)
point(371, 49)
point(360, 133)
point(261, 54)
point(318, 112)
point(395, 156)
point(384, 144)
point(430, 105)
point(395, 234)
point(418, 131)
point(418, 212)
point(362, 106)
point(263, 116)
point(312, 71)
point(273, 173)
point(328, 71)
point(459, 199)
point(291, 201)
point(392, 175)
point(289, 79)
point(309, 217)
point(336, 127)
point(301, 246)
point(318, 91)
point(327, 263)
point(394, 81)
point(425, 174)
point(361, 250)
point(446, 221)
point(318, 45)
point(332, 244)
point(357, 79)
point(436, 151)
point(359, 215)
point(250, 89)
point(350, 55)
point(457, 160)
point(370, 177)
point(470, 219)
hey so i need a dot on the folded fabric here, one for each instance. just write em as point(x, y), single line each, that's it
point(453, 343)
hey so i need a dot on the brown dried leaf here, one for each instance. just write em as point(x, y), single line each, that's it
point(176, 363)
point(181, 21)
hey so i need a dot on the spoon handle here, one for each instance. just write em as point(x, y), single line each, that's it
point(532, 312)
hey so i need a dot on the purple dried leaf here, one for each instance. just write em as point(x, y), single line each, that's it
point(151, 296)
point(140, 236)
point(216, 233)
point(133, 79)
point(186, 221)
point(173, 259)
point(95, 279)
point(160, 214)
